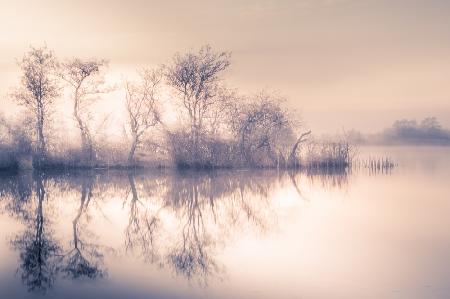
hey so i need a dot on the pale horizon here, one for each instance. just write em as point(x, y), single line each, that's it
point(344, 64)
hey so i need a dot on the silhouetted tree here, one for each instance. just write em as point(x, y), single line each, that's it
point(38, 90)
point(257, 126)
point(142, 106)
point(195, 77)
point(86, 80)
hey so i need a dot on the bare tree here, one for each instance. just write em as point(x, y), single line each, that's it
point(195, 77)
point(264, 130)
point(87, 81)
point(292, 159)
point(258, 124)
point(220, 116)
point(142, 106)
point(38, 90)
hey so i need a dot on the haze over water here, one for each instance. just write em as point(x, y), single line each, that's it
point(358, 64)
point(230, 234)
point(217, 149)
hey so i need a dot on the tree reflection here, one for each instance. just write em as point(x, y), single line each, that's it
point(175, 220)
point(190, 255)
point(39, 252)
point(16, 190)
point(178, 220)
point(85, 259)
point(142, 229)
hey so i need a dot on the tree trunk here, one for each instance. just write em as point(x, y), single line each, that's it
point(86, 140)
point(132, 150)
point(40, 131)
point(292, 157)
point(38, 157)
point(88, 148)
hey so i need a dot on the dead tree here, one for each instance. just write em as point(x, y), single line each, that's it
point(86, 81)
point(292, 160)
point(142, 106)
point(38, 91)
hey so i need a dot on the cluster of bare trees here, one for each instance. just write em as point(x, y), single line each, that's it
point(255, 131)
point(217, 126)
point(44, 80)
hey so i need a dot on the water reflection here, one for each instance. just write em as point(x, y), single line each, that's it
point(84, 259)
point(141, 231)
point(175, 220)
point(39, 251)
point(206, 208)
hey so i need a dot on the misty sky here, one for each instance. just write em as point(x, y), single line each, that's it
point(342, 63)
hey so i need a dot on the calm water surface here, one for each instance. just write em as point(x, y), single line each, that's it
point(230, 234)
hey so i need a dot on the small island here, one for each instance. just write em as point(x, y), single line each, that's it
point(213, 126)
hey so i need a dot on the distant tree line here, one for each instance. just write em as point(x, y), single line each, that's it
point(406, 131)
point(217, 127)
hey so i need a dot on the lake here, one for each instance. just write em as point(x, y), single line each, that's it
point(231, 234)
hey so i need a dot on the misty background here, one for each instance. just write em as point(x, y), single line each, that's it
point(342, 63)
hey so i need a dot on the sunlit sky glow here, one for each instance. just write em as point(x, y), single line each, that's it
point(342, 63)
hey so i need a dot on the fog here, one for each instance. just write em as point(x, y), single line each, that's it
point(428, 131)
point(225, 149)
point(356, 63)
